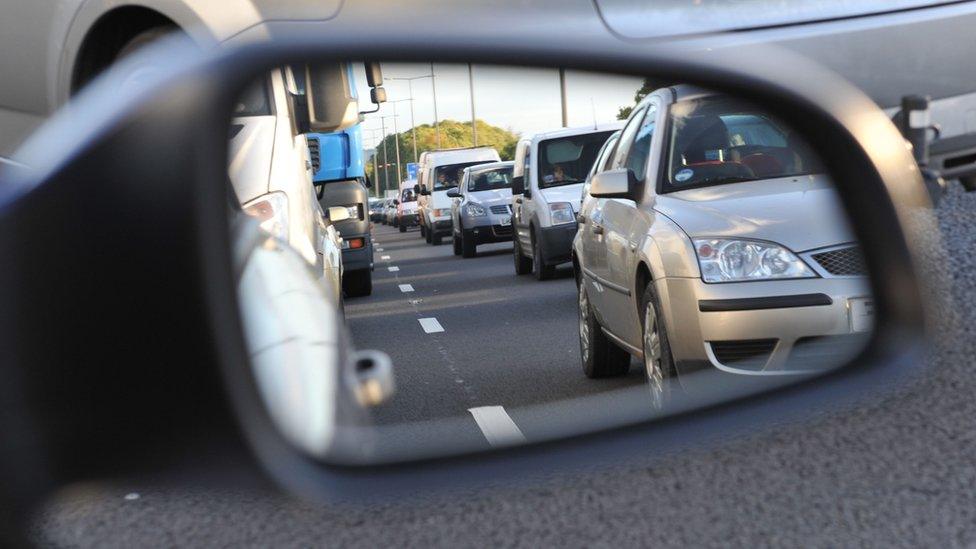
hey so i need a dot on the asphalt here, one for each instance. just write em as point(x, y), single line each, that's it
point(897, 470)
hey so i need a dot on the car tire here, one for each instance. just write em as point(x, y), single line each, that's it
point(436, 240)
point(599, 356)
point(659, 366)
point(539, 267)
point(456, 241)
point(396, 222)
point(423, 231)
point(428, 237)
point(469, 248)
point(403, 228)
point(357, 283)
point(523, 265)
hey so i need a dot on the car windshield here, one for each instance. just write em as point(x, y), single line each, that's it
point(407, 195)
point(719, 140)
point(449, 175)
point(489, 180)
point(567, 160)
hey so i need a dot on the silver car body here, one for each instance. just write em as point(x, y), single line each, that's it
point(622, 245)
point(495, 225)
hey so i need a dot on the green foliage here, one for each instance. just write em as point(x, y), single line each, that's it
point(647, 87)
point(453, 134)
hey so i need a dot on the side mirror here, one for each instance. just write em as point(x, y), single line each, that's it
point(331, 102)
point(338, 213)
point(618, 183)
point(396, 202)
point(416, 189)
point(518, 185)
point(377, 95)
point(424, 191)
point(374, 74)
point(454, 192)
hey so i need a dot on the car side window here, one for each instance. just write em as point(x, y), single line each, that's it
point(626, 137)
point(641, 148)
point(527, 165)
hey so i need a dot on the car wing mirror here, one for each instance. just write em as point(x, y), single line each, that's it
point(518, 184)
point(453, 192)
point(617, 183)
point(203, 230)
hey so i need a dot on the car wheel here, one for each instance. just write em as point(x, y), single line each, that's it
point(658, 362)
point(468, 247)
point(523, 265)
point(435, 240)
point(357, 283)
point(457, 243)
point(403, 228)
point(423, 232)
point(600, 356)
point(539, 267)
point(428, 237)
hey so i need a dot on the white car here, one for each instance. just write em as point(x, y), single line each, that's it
point(547, 183)
point(442, 170)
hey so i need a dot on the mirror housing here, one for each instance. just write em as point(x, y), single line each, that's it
point(374, 74)
point(331, 103)
point(424, 190)
point(454, 192)
point(518, 185)
point(618, 183)
point(337, 214)
point(416, 189)
point(377, 95)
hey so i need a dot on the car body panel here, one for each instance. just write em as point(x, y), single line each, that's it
point(494, 226)
point(437, 200)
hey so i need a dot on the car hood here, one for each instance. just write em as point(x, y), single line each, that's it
point(565, 193)
point(251, 146)
point(802, 213)
point(408, 207)
point(493, 197)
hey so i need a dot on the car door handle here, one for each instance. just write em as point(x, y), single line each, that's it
point(597, 229)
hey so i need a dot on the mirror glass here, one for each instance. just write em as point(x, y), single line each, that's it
point(712, 259)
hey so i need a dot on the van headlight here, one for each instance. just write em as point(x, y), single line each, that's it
point(561, 212)
point(475, 210)
point(735, 260)
point(271, 211)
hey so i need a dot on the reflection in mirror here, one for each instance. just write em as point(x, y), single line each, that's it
point(664, 249)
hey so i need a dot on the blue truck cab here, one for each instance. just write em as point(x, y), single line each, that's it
point(339, 176)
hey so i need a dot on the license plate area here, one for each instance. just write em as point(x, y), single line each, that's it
point(861, 313)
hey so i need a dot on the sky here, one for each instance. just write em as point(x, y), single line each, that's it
point(524, 100)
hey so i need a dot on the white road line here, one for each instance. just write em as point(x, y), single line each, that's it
point(406, 288)
point(430, 325)
point(379, 249)
point(384, 257)
point(393, 269)
point(497, 426)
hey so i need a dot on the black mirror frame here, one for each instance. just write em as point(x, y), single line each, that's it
point(518, 184)
point(861, 148)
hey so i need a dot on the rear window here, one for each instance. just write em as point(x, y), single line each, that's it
point(407, 195)
point(719, 140)
point(567, 160)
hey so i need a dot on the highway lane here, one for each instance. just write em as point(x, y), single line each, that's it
point(507, 341)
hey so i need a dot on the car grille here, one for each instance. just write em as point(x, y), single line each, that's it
point(842, 262)
point(500, 209)
point(314, 154)
point(747, 354)
point(822, 352)
point(501, 230)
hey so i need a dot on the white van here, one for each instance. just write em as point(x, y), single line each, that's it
point(271, 174)
point(547, 185)
point(442, 170)
point(406, 206)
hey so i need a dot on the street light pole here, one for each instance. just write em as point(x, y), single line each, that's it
point(386, 155)
point(562, 96)
point(413, 125)
point(433, 88)
point(396, 140)
point(474, 124)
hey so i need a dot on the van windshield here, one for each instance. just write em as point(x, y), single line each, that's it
point(407, 195)
point(567, 160)
point(449, 175)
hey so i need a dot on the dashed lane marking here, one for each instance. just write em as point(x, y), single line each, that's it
point(430, 325)
point(497, 426)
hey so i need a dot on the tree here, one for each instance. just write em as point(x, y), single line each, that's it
point(647, 87)
point(454, 134)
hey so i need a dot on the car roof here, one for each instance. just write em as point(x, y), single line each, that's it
point(490, 166)
point(684, 92)
point(581, 130)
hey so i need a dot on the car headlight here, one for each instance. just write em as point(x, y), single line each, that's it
point(475, 209)
point(271, 211)
point(442, 212)
point(561, 212)
point(732, 260)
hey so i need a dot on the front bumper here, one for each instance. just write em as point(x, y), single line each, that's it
point(768, 327)
point(409, 220)
point(441, 227)
point(359, 258)
point(557, 243)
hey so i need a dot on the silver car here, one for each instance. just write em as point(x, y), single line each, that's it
point(710, 238)
point(481, 207)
